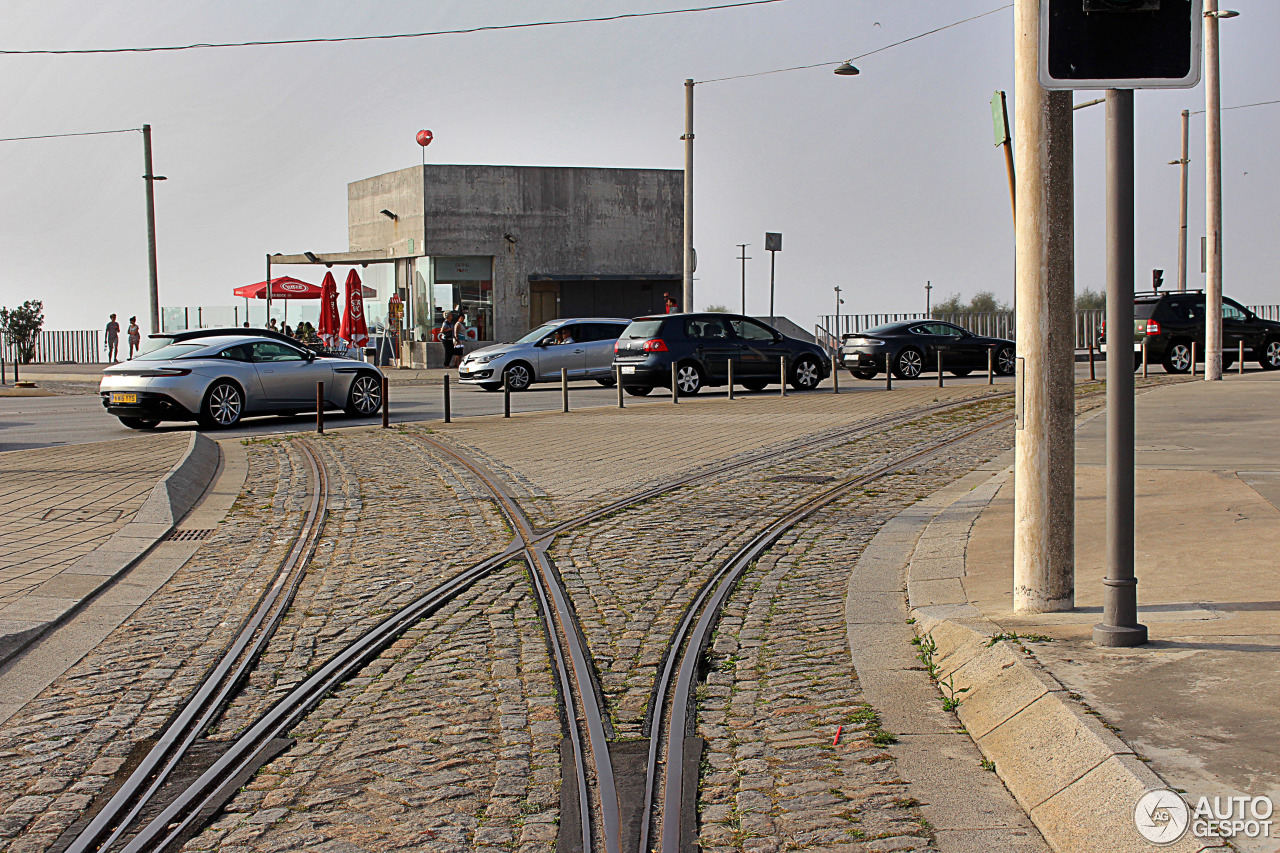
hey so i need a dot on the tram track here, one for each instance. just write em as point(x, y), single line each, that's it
point(587, 722)
point(141, 789)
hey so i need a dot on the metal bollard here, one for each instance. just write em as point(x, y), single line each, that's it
point(447, 412)
point(1193, 358)
point(386, 413)
point(1144, 358)
point(675, 389)
point(730, 391)
point(320, 407)
point(564, 389)
point(1240, 360)
point(1092, 375)
point(782, 387)
point(888, 374)
point(506, 397)
point(940, 367)
point(835, 378)
point(991, 365)
point(617, 372)
point(2, 371)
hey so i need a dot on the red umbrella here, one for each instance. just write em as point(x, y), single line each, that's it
point(354, 330)
point(281, 288)
point(329, 311)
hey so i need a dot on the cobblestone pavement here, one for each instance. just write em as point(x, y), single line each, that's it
point(449, 740)
point(58, 504)
point(63, 747)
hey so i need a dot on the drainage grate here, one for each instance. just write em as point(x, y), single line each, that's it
point(802, 478)
point(189, 535)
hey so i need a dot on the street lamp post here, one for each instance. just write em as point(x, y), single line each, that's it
point(150, 180)
point(743, 257)
point(687, 301)
point(1183, 162)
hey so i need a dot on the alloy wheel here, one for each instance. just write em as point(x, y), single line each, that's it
point(911, 363)
point(366, 395)
point(225, 405)
point(1007, 361)
point(518, 377)
point(688, 379)
point(807, 374)
point(1180, 358)
point(1273, 354)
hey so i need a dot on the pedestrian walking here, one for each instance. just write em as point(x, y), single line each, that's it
point(113, 340)
point(135, 337)
point(446, 338)
point(459, 335)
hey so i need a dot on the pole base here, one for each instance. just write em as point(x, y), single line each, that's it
point(1120, 636)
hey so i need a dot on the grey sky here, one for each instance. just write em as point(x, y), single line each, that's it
point(878, 182)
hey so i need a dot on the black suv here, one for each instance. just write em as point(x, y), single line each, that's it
point(1170, 322)
point(701, 347)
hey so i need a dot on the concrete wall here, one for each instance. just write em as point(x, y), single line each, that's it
point(564, 221)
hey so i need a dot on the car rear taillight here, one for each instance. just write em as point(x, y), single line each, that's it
point(1153, 328)
point(655, 345)
point(615, 347)
point(165, 371)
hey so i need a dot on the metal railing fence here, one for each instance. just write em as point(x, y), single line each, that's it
point(996, 324)
point(77, 346)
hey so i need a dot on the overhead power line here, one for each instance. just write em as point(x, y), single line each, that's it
point(61, 135)
point(1239, 107)
point(389, 36)
point(861, 55)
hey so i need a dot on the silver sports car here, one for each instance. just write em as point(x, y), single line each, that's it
point(218, 378)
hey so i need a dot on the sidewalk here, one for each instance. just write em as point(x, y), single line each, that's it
point(72, 519)
point(1198, 704)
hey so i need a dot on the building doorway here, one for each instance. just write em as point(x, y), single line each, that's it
point(544, 302)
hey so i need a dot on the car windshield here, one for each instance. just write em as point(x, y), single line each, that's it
point(642, 329)
point(171, 351)
point(537, 334)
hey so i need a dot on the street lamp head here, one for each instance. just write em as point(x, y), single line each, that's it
point(847, 69)
point(1223, 13)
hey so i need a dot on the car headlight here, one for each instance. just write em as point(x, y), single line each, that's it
point(486, 357)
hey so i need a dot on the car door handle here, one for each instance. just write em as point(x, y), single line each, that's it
point(579, 350)
point(268, 371)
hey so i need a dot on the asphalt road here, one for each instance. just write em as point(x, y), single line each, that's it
point(28, 422)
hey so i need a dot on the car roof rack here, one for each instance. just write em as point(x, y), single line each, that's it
point(1138, 293)
point(190, 334)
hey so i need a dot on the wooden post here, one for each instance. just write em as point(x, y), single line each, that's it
point(447, 413)
point(386, 413)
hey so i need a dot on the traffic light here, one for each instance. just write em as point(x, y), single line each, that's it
point(1157, 279)
point(1120, 44)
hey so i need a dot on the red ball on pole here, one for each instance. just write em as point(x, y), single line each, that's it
point(424, 138)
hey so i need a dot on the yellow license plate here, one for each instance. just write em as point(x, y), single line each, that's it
point(123, 398)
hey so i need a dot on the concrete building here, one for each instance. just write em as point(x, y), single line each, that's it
point(511, 246)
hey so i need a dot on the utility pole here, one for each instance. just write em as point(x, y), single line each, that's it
point(150, 180)
point(928, 293)
point(839, 302)
point(688, 196)
point(1213, 197)
point(1183, 162)
point(743, 257)
point(1044, 452)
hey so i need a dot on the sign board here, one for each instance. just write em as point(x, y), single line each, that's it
point(772, 241)
point(999, 119)
point(1120, 44)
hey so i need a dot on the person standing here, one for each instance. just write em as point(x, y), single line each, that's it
point(113, 340)
point(459, 335)
point(446, 338)
point(672, 306)
point(135, 337)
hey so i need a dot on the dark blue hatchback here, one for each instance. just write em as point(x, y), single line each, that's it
point(701, 346)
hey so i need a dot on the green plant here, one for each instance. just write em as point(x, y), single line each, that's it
point(988, 765)
point(880, 737)
point(21, 327)
point(1015, 637)
point(952, 699)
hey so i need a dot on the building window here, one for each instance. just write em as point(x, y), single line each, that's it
point(464, 284)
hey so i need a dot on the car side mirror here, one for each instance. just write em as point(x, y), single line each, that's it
point(310, 356)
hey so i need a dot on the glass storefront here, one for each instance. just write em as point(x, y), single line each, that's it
point(441, 285)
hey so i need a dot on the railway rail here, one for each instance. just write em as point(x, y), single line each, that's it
point(599, 810)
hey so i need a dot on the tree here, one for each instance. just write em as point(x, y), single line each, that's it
point(1088, 299)
point(983, 302)
point(21, 327)
point(718, 309)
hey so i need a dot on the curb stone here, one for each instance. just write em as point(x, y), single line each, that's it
point(1076, 779)
point(63, 595)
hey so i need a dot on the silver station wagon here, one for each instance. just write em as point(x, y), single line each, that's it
point(218, 377)
point(583, 347)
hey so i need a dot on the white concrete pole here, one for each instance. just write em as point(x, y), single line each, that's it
point(686, 304)
point(1044, 454)
point(1213, 196)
